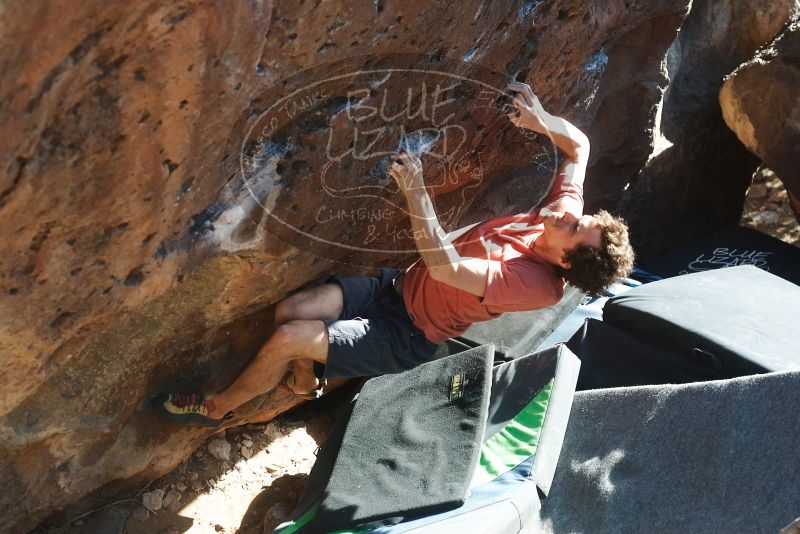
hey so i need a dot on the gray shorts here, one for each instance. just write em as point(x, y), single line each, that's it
point(374, 335)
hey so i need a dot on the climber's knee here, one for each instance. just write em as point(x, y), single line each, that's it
point(322, 302)
point(298, 339)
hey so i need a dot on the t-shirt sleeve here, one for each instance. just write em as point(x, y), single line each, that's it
point(566, 195)
point(519, 285)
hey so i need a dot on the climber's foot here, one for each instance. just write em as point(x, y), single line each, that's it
point(305, 381)
point(301, 381)
point(190, 408)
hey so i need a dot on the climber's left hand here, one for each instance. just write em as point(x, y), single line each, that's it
point(407, 171)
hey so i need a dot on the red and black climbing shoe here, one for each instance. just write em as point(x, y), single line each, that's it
point(189, 408)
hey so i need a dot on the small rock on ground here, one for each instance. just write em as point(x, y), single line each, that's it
point(220, 449)
point(153, 500)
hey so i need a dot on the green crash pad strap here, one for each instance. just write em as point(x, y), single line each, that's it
point(301, 521)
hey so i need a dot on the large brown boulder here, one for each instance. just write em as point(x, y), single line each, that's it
point(695, 177)
point(153, 213)
point(760, 102)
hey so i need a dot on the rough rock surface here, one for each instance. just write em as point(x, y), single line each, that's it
point(760, 102)
point(695, 178)
point(136, 253)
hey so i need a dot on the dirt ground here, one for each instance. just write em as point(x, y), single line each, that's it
point(767, 209)
point(244, 480)
point(247, 480)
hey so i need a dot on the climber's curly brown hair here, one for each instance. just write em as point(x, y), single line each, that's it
point(592, 269)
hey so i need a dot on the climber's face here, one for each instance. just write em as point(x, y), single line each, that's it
point(564, 231)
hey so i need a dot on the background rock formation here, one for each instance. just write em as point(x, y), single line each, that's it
point(760, 102)
point(134, 252)
point(696, 175)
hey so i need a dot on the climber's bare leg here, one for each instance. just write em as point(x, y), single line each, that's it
point(291, 340)
point(321, 302)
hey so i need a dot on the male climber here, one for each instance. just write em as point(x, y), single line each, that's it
point(364, 326)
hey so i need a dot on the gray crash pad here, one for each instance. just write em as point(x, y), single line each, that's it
point(521, 333)
point(706, 457)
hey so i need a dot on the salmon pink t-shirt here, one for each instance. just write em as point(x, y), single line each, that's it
point(518, 279)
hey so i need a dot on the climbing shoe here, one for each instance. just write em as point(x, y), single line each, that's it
point(189, 407)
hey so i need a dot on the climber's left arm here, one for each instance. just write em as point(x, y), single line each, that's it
point(441, 258)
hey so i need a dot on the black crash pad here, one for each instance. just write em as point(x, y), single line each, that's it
point(525, 423)
point(730, 246)
point(416, 436)
point(742, 320)
point(612, 358)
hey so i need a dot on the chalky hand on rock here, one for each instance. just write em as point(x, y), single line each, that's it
point(529, 112)
point(406, 170)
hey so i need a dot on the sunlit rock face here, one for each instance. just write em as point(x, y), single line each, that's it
point(760, 102)
point(153, 212)
point(695, 178)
